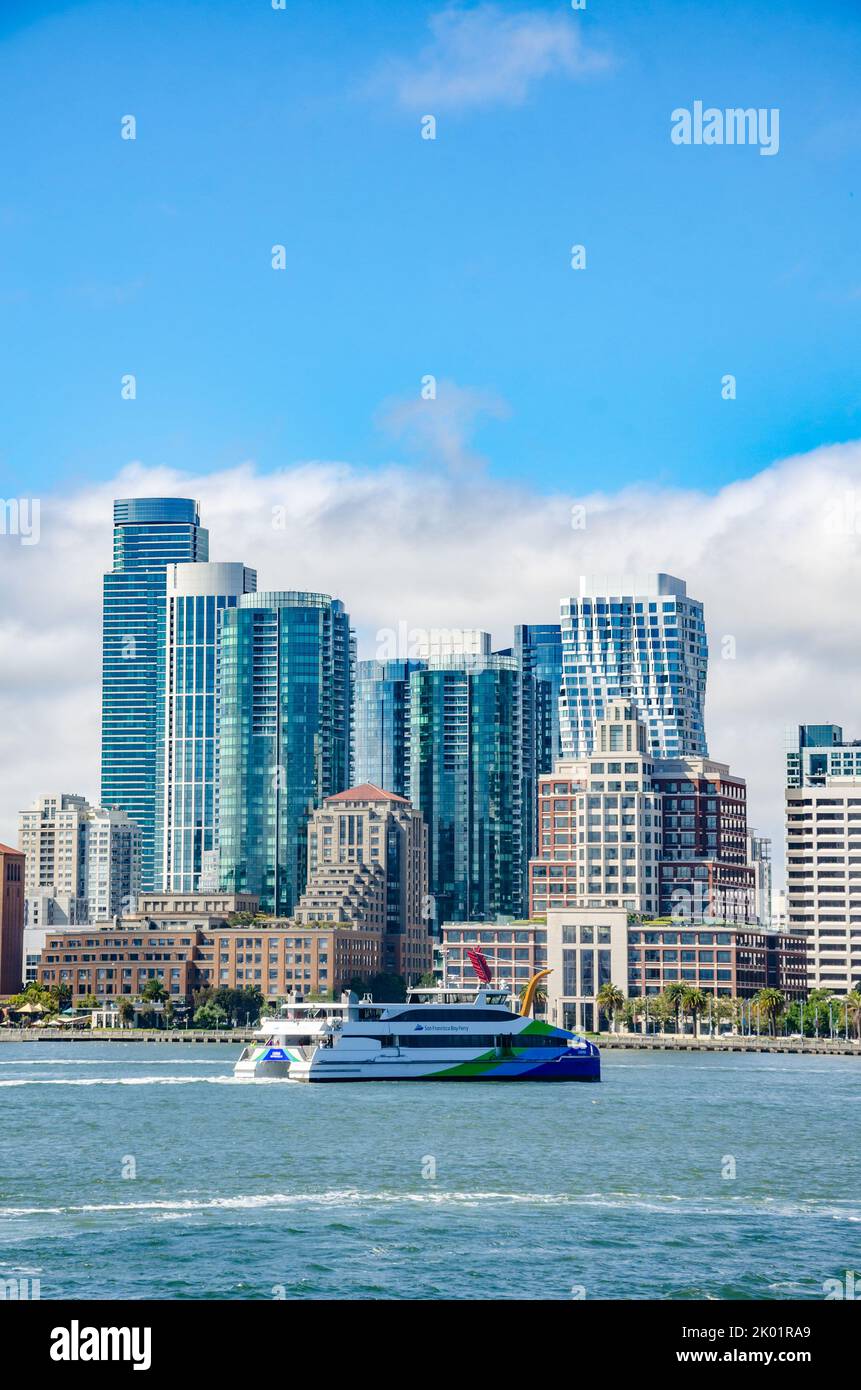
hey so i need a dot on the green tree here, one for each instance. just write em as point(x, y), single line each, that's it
point(243, 1004)
point(428, 980)
point(61, 994)
point(153, 991)
point(539, 997)
point(694, 1002)
point(723, 1010)
point(770, 1003)
point(610, 1000)
point(210, 1015)
point(657, 1008)
point(852, 1007)
point(675, 995)
point(632, 1011)
point(36, 996)
point(817, 1013)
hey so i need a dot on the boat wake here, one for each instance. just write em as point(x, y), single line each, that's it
point(669, 1204)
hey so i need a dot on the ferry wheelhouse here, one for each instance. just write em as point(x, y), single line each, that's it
point(439, 1034)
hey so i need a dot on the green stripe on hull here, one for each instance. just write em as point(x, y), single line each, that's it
point(479, 1067)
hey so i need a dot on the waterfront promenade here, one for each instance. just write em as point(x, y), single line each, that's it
point(633, 1041)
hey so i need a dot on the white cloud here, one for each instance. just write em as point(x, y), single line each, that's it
point(775, 560)
point(441, 429)
point(489, 55)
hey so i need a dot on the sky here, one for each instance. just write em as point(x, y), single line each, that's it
point(406, 258)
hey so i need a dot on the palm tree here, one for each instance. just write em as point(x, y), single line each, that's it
point(771, 1002)
point(675, 995)
point(694, 1002)
point(539, 994)
point(852, 1004)
point(610, 999)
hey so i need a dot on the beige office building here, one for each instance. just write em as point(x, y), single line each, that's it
point(368, 864)
point(599, 824)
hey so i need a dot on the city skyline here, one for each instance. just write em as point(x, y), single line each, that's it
point(449, 542)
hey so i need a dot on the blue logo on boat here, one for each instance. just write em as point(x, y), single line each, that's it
point(420, 1028)
point(275, 1054)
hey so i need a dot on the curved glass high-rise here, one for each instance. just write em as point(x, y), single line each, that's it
point(285, 684)
point(197, 596)
point(639, 638)
point(149, 534)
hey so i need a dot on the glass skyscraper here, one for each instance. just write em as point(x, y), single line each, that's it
point(381, 724)
point(149, 534)
point(538, 649)
point(196, 598)
point(466, 779)
point(639, 638)
point(285, 685)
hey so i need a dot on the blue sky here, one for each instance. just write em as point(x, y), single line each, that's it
point(407, 256)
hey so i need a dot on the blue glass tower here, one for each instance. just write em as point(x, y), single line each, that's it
point(466, 778)
point(381, 724)
point(285, 685)
point(149, 534)
point(538, 648)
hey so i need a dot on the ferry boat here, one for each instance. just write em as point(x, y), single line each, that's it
point(439, 1034)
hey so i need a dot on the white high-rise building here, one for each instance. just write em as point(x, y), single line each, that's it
point(82, 862)
point(823, 871)
point(186, 824)
point(759, 857)
point(51, 835)
point(638, 638)
point(113, 864)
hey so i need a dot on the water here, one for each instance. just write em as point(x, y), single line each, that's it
point(262, 1190)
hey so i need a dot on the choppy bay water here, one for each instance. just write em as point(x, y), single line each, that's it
point(262, 1190)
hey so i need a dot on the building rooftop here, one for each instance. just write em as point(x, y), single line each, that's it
point(366, 791)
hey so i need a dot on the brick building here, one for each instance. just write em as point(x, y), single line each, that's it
point(11, 919)
point(286, 958)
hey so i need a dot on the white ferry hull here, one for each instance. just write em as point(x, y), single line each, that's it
point(571, 1064)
